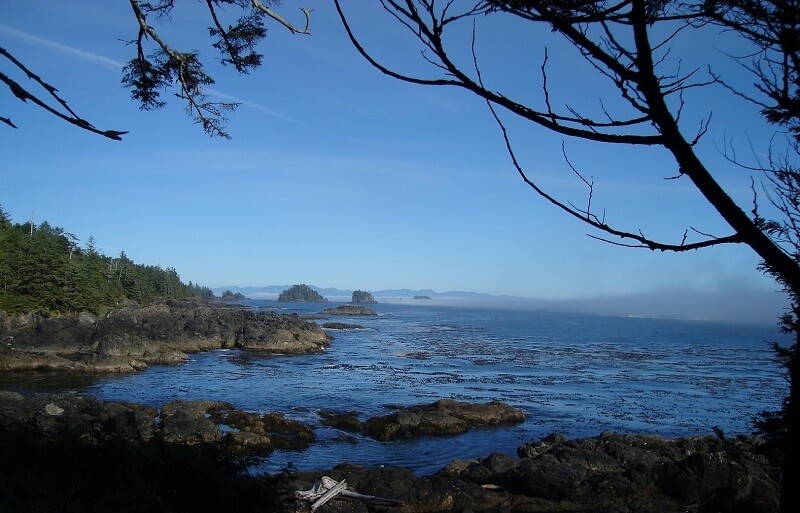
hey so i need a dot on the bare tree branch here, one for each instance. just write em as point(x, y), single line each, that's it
point(429, 34)
point(294, 29)
point(586, 217)
point(24, 95)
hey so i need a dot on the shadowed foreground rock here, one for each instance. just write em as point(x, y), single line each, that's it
point(604, 474)
point(76, 454)
point(178, 422)
point(444, 417)
point(133, 336)
point(609, 473)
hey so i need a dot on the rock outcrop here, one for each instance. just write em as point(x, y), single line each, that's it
point(341, 326)
point(349, 310)
point(444, 417)
point(345, 420)
point(177, 422)
point(609, 473)
point(134, 336)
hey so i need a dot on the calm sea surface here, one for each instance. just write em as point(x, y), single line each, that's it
point(574, 374)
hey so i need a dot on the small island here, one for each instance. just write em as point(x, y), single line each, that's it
point(233, 296)
point(362, 296)
point(301, 294)
point(421, 297)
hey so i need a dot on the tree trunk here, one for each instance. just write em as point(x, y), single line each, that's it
point(790, 494)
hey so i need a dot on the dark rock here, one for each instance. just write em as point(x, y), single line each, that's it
point(178, 422)
point(534, 448)
point(608, 473)
point(650, 471)
point(348, 421)
point(342, 326)
point(84, 416)
point(591, 475)
point(349, 310)
point(442, 418)
point(250, 431)
point(133, 336)
point(420, 494)
point(287, 433)
point(486, 470)
point(190, 423)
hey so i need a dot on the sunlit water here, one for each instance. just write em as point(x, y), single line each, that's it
point(574, 374)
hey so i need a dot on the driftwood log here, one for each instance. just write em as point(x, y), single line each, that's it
point(326, 488)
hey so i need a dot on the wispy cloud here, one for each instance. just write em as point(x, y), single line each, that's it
point(70, 50)
point(253, 105)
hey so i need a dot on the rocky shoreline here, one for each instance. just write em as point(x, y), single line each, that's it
point(133, 336)
point(610, 472)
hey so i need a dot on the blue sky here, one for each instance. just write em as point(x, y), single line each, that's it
point(341, 177)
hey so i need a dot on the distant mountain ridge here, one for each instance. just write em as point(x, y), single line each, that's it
point(329, 292)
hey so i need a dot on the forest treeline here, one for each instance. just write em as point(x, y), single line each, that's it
point(43, 269)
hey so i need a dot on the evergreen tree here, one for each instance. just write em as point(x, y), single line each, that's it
point(362, 296)
point(43, 269)
point(301, 294)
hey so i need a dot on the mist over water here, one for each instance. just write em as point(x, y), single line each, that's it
point(570, 373)
point(728, 302)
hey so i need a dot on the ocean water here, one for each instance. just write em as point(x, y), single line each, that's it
point(574, 374)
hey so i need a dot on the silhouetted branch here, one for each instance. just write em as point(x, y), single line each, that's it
point(24, 95)
point(427, 26)
point(773, 27)
point(588, 218)
point(148, 75)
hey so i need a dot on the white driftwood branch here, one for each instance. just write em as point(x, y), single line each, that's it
point(327, 488)
point(330, 494)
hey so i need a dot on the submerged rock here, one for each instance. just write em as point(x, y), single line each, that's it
point(134, 336)
point(444, 417)
point(347, 421)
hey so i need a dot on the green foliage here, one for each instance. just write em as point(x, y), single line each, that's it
point(200, 291)
point(43, 269)
point(301, 294)
point(362, 296)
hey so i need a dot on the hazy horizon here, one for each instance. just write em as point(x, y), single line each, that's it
point(730, 304)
